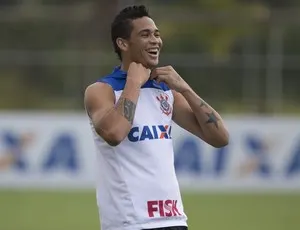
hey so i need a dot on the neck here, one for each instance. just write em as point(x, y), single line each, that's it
point(125, 65)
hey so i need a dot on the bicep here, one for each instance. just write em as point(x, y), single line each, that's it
point(184, 116)
point(98, 100)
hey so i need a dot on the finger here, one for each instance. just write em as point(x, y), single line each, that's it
point(162, 70)
point(161, 78)
point(153, 74)
point(158, 72)
point(165, 68)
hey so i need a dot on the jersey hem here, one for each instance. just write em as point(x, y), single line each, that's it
point(160, 224)
point(157, 224)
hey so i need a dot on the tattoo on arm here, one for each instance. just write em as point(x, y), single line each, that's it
point(212, 118)
point(127, 108)
point(203, 104)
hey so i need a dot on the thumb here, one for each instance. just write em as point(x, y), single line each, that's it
point(153, 74)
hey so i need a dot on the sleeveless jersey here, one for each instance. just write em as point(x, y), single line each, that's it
point(136, 183)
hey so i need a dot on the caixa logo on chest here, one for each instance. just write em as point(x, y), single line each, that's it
point(149, 133)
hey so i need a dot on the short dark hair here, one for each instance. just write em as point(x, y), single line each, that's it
point(121, 27)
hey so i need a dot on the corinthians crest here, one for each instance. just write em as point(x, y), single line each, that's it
point(165, 106)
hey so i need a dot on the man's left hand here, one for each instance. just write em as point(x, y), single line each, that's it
point(168, 75)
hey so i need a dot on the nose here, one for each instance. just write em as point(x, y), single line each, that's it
point(154, 39)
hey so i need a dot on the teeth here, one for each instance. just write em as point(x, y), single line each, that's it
point(153, 50)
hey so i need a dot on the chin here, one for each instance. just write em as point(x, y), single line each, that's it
point(152, 64)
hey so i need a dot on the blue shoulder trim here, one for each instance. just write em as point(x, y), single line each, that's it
point(116, 83)
point(119, 83)
point(117, 80)
point(155, 85)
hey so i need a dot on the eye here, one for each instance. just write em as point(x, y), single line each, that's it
point(144, 35)
point(157, 35)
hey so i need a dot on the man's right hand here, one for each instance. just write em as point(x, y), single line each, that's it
point(138, 73)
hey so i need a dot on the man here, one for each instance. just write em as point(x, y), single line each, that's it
point(131, 112)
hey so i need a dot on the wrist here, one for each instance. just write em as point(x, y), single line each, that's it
point(132, 82)
point(185, 90)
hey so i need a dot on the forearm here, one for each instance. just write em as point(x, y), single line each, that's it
point(117, 121)
point(127, 102)
point(208, 119)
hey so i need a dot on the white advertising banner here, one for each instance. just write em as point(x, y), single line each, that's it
point(46, 150)
point(57, 151)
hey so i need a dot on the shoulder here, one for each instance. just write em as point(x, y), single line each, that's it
point(116, 83)
point(97, 88)
point(103, 86)
point(97, 92)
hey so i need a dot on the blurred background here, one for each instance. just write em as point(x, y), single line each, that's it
point(241, 56)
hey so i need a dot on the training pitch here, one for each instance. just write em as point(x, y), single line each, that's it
point(38, 210)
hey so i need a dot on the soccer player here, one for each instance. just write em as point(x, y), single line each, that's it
point(131, 112)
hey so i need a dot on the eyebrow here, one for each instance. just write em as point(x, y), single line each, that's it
point(148, 31)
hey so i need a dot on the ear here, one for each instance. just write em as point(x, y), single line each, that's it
point(122, 44)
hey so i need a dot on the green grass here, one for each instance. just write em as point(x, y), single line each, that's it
point(36, 210)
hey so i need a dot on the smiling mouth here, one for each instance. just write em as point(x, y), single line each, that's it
point(153, 52)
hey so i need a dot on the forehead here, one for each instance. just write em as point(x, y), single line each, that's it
point(142, 24)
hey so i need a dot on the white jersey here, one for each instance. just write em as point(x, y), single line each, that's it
point(136, 183)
